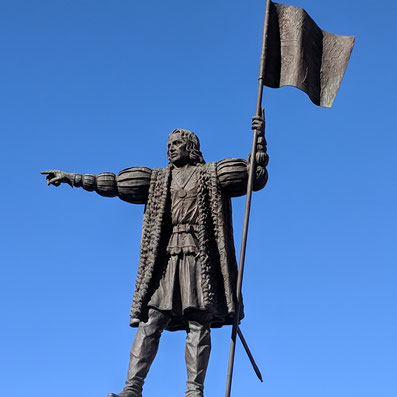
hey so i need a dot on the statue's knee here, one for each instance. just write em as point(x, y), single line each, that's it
point(157, 321)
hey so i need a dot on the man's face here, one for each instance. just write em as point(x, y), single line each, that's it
point(177, 152)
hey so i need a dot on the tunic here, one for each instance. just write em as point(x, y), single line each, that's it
point(179, 290)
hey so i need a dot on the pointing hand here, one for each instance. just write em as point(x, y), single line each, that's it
point(56, 177)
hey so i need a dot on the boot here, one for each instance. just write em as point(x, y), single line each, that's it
point(197, 354)
point(143, 352)
point(122, 394)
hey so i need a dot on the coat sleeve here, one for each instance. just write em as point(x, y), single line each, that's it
point(233, 176)
point(131, 184)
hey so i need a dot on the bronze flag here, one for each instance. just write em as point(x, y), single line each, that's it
point(300, 54)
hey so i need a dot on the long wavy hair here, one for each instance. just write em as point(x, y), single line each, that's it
point(192, 145)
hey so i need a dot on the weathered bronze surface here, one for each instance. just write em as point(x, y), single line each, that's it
point(187, 269)
point(300, 54)
point(187, 273)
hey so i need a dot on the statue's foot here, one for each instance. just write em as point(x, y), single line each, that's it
point(124, 394)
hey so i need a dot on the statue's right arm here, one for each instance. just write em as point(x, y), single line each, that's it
point(131, 184)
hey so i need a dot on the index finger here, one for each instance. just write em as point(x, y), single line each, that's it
point(48, 172)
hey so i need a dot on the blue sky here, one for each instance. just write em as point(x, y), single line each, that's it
point(90, 86)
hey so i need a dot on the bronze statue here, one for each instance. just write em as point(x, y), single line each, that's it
point(187, 269)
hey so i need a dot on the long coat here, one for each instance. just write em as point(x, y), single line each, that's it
point(217, 183)
point(217, 259)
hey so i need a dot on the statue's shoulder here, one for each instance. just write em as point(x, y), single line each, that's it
point(137, 171)
point(134, 176)
point(230, 161)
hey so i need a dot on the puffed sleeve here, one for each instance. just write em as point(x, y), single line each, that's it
point(131, 184)
point(233, 176)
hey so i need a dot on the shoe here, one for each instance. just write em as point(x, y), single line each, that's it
point(123, 394)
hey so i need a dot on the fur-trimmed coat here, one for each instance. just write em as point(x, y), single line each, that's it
point(217, 183)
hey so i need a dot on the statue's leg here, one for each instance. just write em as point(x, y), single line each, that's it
point(143, 352)
point(197, 354)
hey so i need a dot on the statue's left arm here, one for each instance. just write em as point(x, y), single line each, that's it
point(233, 176)
point(233, 173)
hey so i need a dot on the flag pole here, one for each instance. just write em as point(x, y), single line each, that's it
point(250, 185)
point(249, 354)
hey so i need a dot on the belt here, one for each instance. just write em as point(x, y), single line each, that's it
point(184, 228)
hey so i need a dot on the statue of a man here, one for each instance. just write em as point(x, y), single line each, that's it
point(187, 268)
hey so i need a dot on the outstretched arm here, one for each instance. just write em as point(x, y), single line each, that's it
point(131, 184)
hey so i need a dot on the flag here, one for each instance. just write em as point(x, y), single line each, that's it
point(298, 53)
